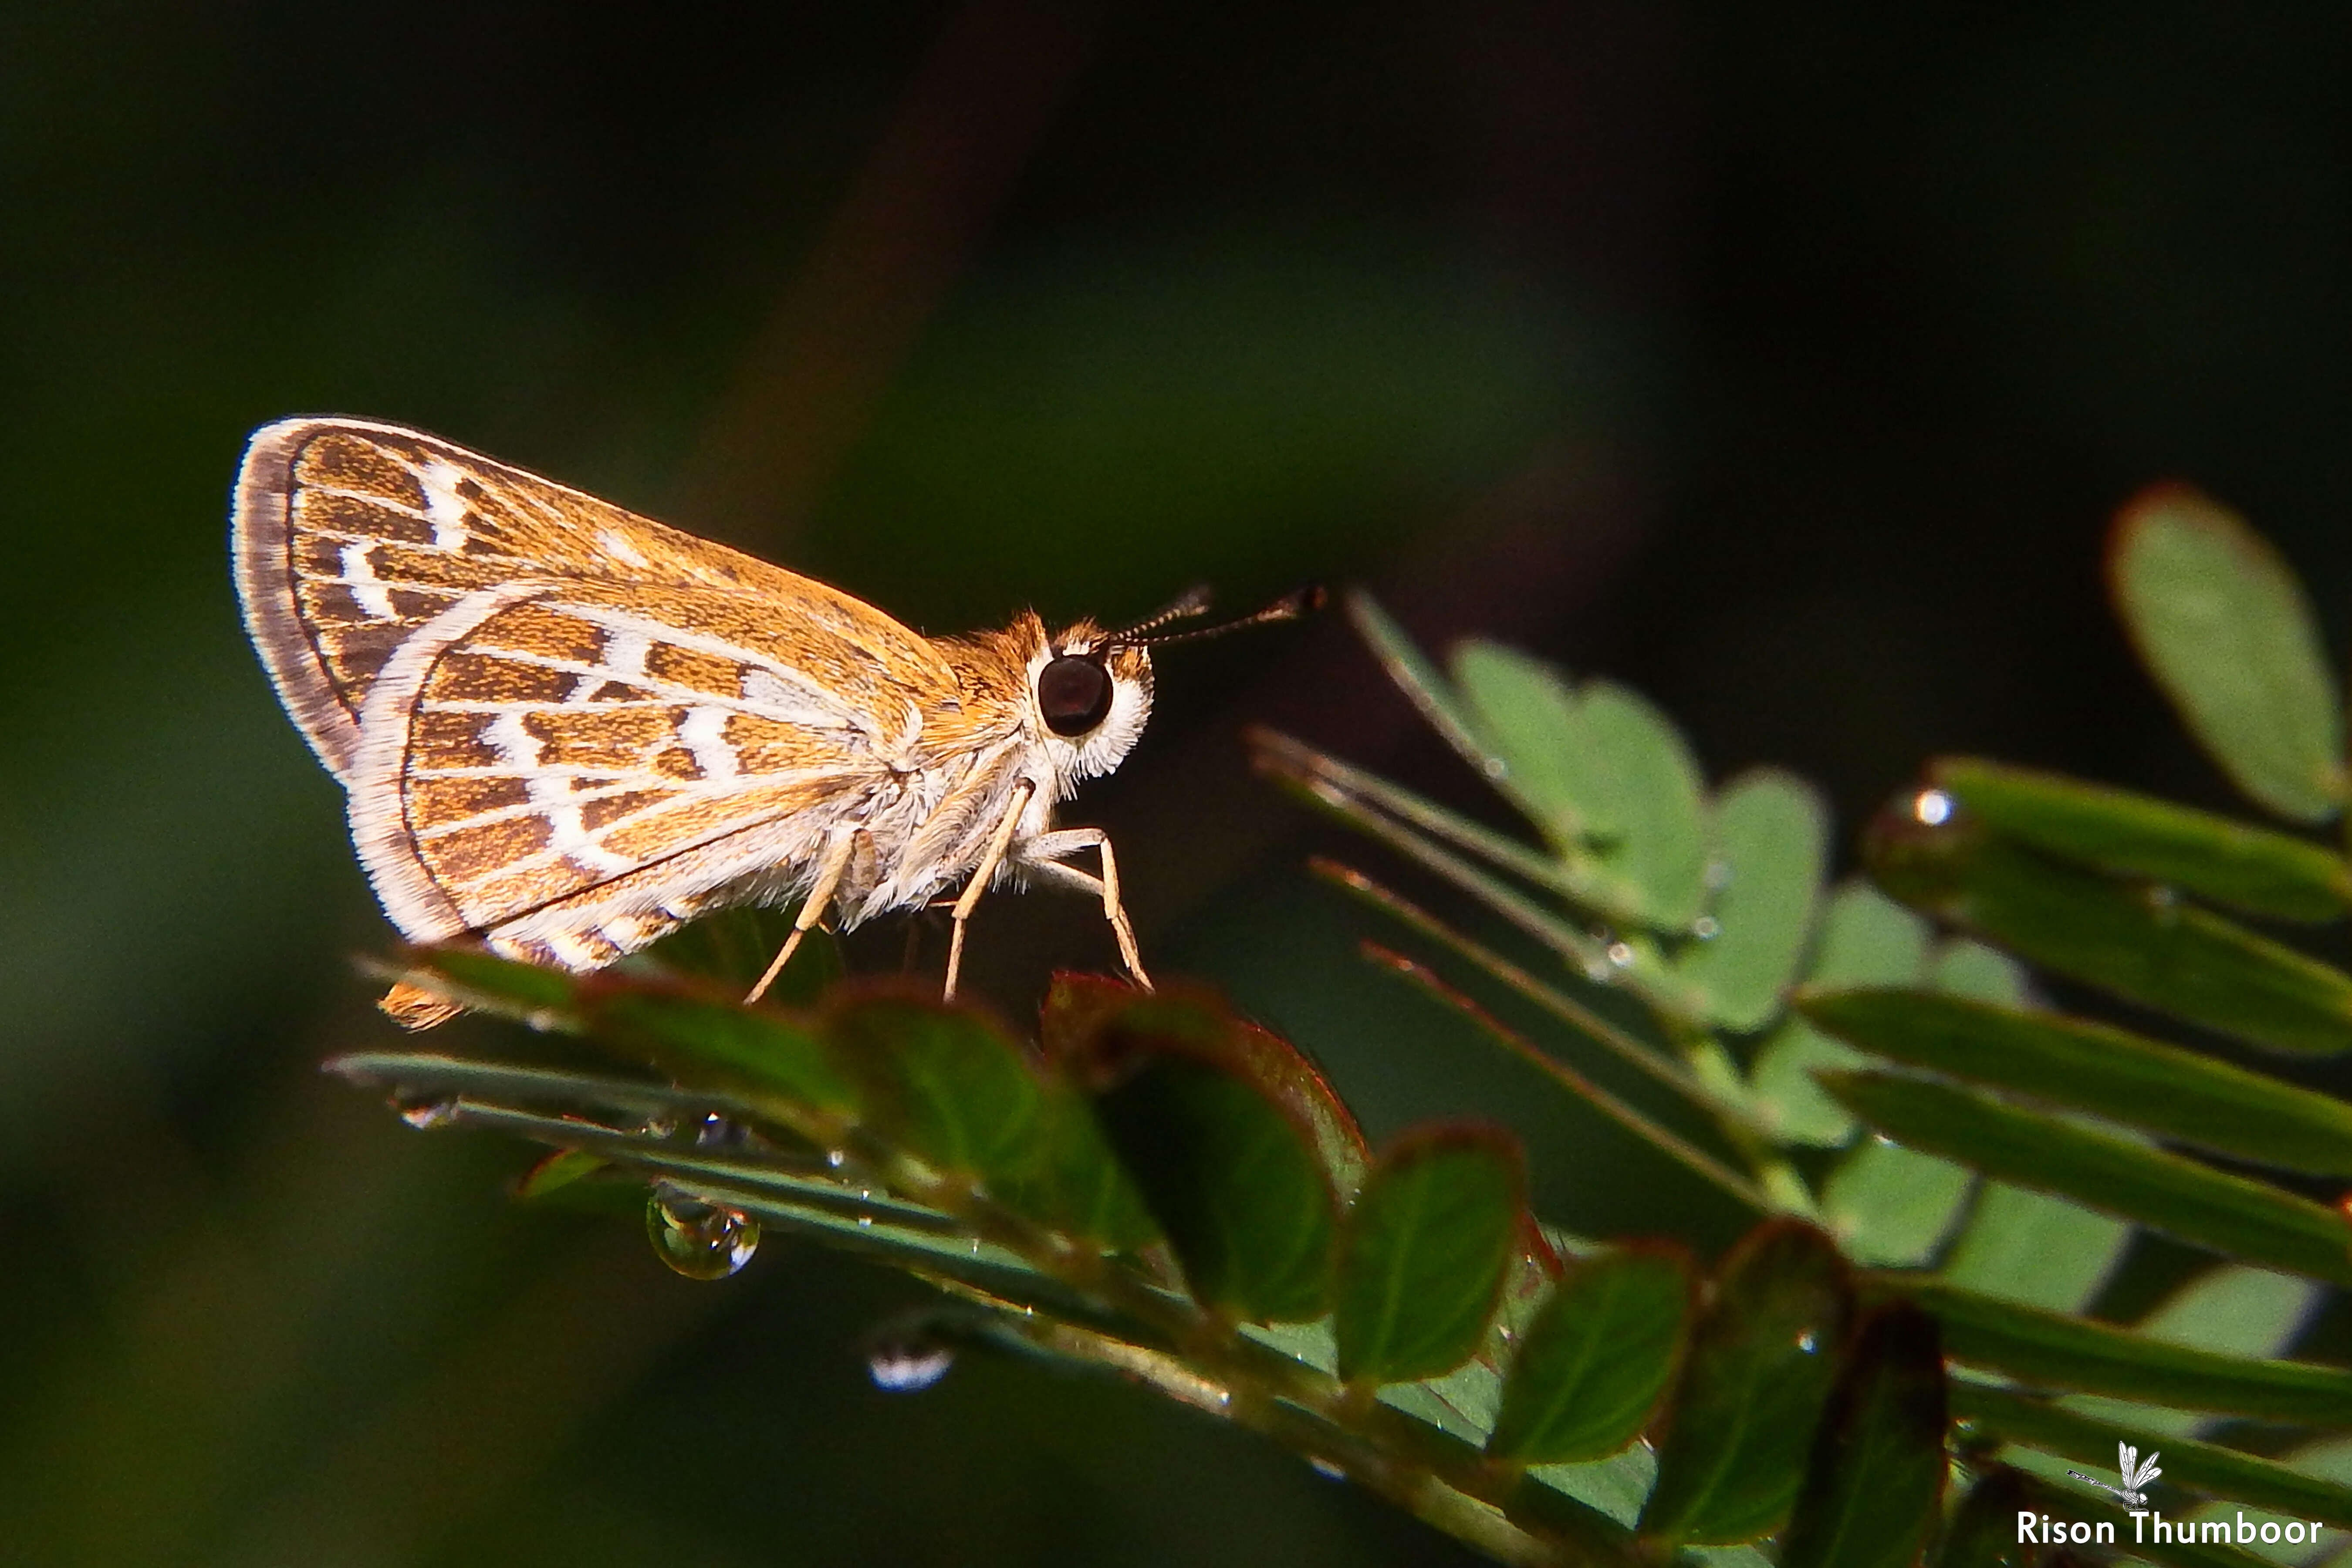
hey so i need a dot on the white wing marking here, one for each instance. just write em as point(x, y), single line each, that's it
point(550, 797)
point(445, 508)
point(368, 591)
point(616, 545)
point(704, 733)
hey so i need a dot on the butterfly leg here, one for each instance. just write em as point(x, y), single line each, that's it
point(984, 873)
point(1044, 855)
point(838, 851)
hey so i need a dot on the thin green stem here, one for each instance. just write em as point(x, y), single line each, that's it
point(1626, 1047)
point(1671, 1144)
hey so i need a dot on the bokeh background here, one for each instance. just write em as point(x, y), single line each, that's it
point(1785, 361)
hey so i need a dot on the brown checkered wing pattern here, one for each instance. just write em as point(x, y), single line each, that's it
point(565, 728)
point(349, 537)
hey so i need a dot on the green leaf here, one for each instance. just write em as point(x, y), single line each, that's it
point(2035, 1248)
point(1090, 1022)
point(1771, 833)
point(2203, 1467)
point(1597, 1358)
point(424, 1076)
point(1866, 939)
point(1888, 1205)
point(942, 1082)
point(1430, 692)
point(1960, 967)
point(2213, 857)
point(1553, 1501)
point(2059, 1352)
point(2231, 1215)
point(1877, 1473)
point(1762, 1359)
point(774, 1052)
point(543, 998)
point(557, 1171)
point(2245, 1311)
point(1983, 1531)
point(1651, 789)
point(1229, 1173)
point(1369, 801)
point(2083, 1066)
point(1423, 1259)
point(1526, 711)
point(1073, 1183)
point(2141, 943)
point(1616, 1487)
point(2224, 626)
point(2232, 1308)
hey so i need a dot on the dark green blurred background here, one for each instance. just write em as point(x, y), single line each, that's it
point(1784, 361)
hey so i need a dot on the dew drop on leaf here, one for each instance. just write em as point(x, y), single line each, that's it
point(1932, 807)
point(904, 1363)
point(699, 1240)
point(715, 1132)
point(427, 1113)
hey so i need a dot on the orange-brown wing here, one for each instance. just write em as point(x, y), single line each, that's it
point(350, 537)
point(568, 769)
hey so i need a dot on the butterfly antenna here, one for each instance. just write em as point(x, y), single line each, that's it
point(1289, 608)
point(1192, 601)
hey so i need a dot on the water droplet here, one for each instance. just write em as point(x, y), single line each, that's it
point(1808, 1343)
point(1496, 768)
point(835, 1158)
point(427, 1113)
point(1719, 875)
point(1621, 953)
point(903, 1363)
point(699, 1240)
point(715, 1132)
point(865, 1222)
point(1327, 1469)
point(1599, 973)
point(1883, 1141)
point(1933, 808)
point(1707, 928)
point(660, 1127)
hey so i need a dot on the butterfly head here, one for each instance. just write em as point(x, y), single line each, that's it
point(1090, 690)
point(1089, 694)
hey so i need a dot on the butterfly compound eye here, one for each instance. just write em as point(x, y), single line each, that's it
point(1073, 693)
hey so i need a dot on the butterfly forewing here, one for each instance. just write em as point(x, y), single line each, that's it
point(351, 536)
point(564, 727)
